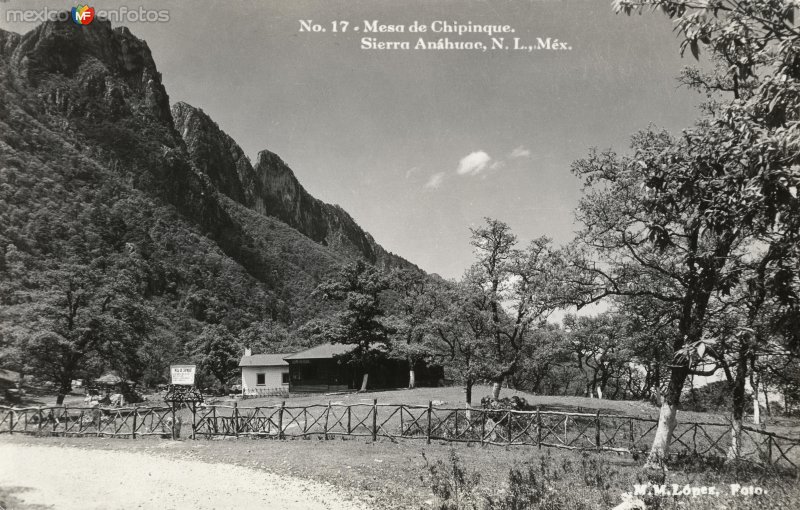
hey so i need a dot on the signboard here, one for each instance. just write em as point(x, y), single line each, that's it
point(182, 374)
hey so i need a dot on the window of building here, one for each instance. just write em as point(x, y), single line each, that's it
point(260, 379)
point(285, 378)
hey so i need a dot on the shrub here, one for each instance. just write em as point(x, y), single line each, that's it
point(454, 487)
point(530, 488)
point(513, 403)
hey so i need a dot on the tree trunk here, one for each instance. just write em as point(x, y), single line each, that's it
point(63, 390)
point(364, 382)
point(599, 393)
point(667, 419)
point(412, 379)
point(468, 392)
point(756, 406)
point(734, 450)
point(756, 410)
point(496, 388)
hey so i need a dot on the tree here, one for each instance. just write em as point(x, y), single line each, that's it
point(753, 151)
point(73, 316)
point(358, 287)
point(267, 336)
point(458, 333)
point(412, 312)
point(217, 352)
point(599, 346)
point(539, 357)
point(656, 226)
point(649, 337)
point(512, 291)
point(758, 325)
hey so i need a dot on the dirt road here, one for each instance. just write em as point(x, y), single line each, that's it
point(73, 478)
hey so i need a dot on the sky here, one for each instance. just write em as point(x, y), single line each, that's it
point(419, 146)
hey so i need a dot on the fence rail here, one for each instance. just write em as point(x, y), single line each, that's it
point(264, 392)
point(539, 428)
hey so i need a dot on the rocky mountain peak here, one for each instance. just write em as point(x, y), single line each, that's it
point(271, 188)
point(215, 153)
point(96, 57)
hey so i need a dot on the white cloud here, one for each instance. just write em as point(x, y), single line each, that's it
point(473, 163)
point(520, 152)
point(435, 180)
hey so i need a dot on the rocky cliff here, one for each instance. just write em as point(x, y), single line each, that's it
point(271, 188)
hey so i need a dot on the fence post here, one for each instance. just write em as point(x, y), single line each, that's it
point(769, 450)
point(483, 424)
point(327, 415)
point(305, 421)
point(402, 424)
point(508, 426)
point(194, 420)
point(236, 419)
point(456, 424)
point(597, 430)
point(135, 415)
point(633, 439)
point(374, 420)
point(428, 433)
point(173, 420)
point(65, 419)
point(349, 431)
point(11, 422)
point(539, 427)
point(39, 425)
point(214, 419)
point(280, 420)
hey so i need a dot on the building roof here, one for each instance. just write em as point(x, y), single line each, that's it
point(264, 360)
point(110, 379)
point(324, 351)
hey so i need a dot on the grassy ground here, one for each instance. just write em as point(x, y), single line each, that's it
point(389, 475)
point(453, 397)
point(393, 475)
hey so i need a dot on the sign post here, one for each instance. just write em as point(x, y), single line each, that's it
point(182, 374)
point(183, 391)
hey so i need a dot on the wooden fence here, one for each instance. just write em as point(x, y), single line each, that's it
point(539, 428)
point(264, 392)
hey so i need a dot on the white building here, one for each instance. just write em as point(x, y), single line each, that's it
point(264, 374)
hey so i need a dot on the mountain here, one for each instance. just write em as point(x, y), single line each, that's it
point(271, 188)
point(129, 229)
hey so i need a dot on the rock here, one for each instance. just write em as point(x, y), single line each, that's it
point(630, 503)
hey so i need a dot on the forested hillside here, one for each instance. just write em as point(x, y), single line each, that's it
point(120, 248)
